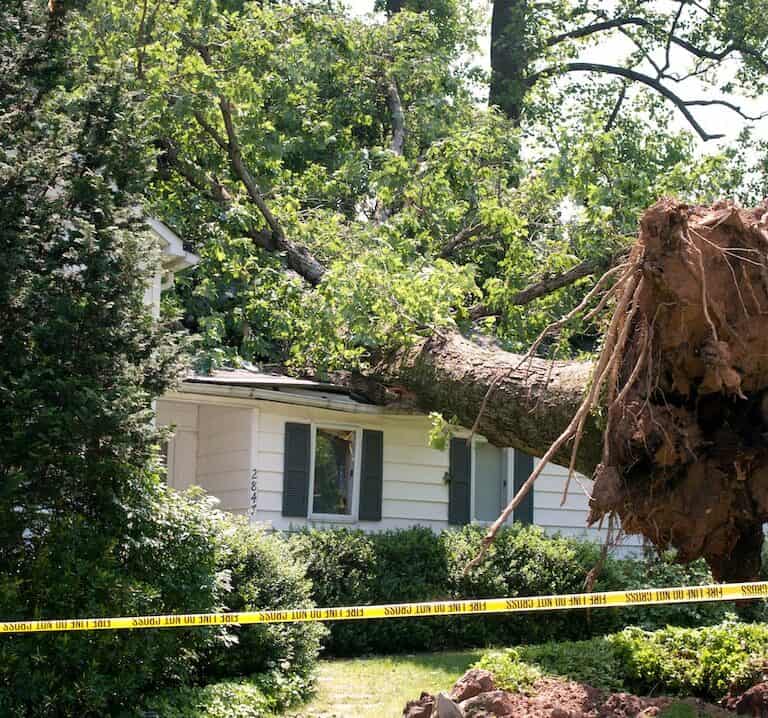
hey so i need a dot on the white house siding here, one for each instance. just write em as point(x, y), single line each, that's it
point(182, 448)
point(211, 447)
point(224, 454)
point(413, 491)
point(569, 519)
point(234, 449)
point(153, 292)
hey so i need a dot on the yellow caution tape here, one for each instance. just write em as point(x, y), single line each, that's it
point(640, 597)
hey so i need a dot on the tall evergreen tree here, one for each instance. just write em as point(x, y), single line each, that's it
point(83, 517)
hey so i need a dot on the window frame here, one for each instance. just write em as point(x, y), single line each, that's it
point(509, 479)
point(170, 456)
point(351, 517)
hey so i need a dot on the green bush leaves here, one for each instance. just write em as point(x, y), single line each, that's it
point(349, 567)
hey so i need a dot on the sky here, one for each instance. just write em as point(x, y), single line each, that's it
point(714, 119)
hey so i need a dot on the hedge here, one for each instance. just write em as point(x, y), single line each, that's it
point(171, 562)
point(185, 555)
point(349, 567)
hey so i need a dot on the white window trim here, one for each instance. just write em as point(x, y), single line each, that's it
point(509, 466)
point(351, 517)
point(170, 457)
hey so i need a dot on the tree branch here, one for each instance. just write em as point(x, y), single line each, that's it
point(213, 133)
point(545, 286)
point(616, 107)
point(196, 177)
point(381, 213)
point(398, 118)
point(633, 75)
point(670, 37)
point(618, 22)
point(212, 188)
point(298, 257)
point(460, 239)
point(729, 105)
point(596, 27)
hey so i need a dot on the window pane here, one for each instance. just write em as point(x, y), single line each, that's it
point(490, 486)
point(334, 468)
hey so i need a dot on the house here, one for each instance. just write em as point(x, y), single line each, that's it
point(293, 453)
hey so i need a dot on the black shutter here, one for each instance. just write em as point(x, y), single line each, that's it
point(371, 476)
point(523, 469)
point(296, 469)
point(460, 473)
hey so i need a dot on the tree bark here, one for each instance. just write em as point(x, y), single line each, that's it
point(509, 57)
point(529, 403)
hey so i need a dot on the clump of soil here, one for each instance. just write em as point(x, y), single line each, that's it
point(753, 702)
point(685, 460)
point(553, 698)
point(550, 698)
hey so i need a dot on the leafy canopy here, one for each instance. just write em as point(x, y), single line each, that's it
point(276, 126)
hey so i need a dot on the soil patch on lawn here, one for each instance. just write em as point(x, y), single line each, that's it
point(554, 698)
point(475, 696)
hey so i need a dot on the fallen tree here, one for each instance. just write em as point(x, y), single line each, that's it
point(675, 417)
point(395, 211)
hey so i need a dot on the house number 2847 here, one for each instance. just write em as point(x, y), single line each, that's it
point(254, 490)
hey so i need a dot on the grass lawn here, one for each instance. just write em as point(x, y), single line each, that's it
point(378, 687)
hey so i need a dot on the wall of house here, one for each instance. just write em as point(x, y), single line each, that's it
point(569, 519)
point(153, 292)
point(182, 446)
point(414, 490)
point(224, 458)
point(211, 447)
point(236, 452)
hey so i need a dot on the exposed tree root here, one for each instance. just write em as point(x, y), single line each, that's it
point(682, 378)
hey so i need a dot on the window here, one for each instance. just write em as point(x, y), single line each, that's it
point(490, 481)
point(334, 472)
point(483, 478)
point(498, 475)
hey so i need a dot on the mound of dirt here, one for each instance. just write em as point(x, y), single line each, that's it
point(752, 702)
point(685, 460)
point(550, 698)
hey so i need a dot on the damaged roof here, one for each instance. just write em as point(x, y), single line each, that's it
point(273, 386)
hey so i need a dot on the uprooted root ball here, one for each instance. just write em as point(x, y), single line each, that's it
point(685, 379)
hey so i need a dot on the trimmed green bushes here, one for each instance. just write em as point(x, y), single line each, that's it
point(168, 562)
point(703, 662)
point(264, 574)
point(349, 567)
point(182, 555)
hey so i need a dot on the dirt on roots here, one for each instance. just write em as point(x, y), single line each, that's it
point(684, 373)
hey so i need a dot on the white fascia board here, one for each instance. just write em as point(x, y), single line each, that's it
point(244, 396)
point(175, 257)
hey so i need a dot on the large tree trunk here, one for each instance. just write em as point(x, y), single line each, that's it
point(509, 56)
point(525, 404)
point(680, 386)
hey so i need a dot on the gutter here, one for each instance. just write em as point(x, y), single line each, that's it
point(253, 393)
